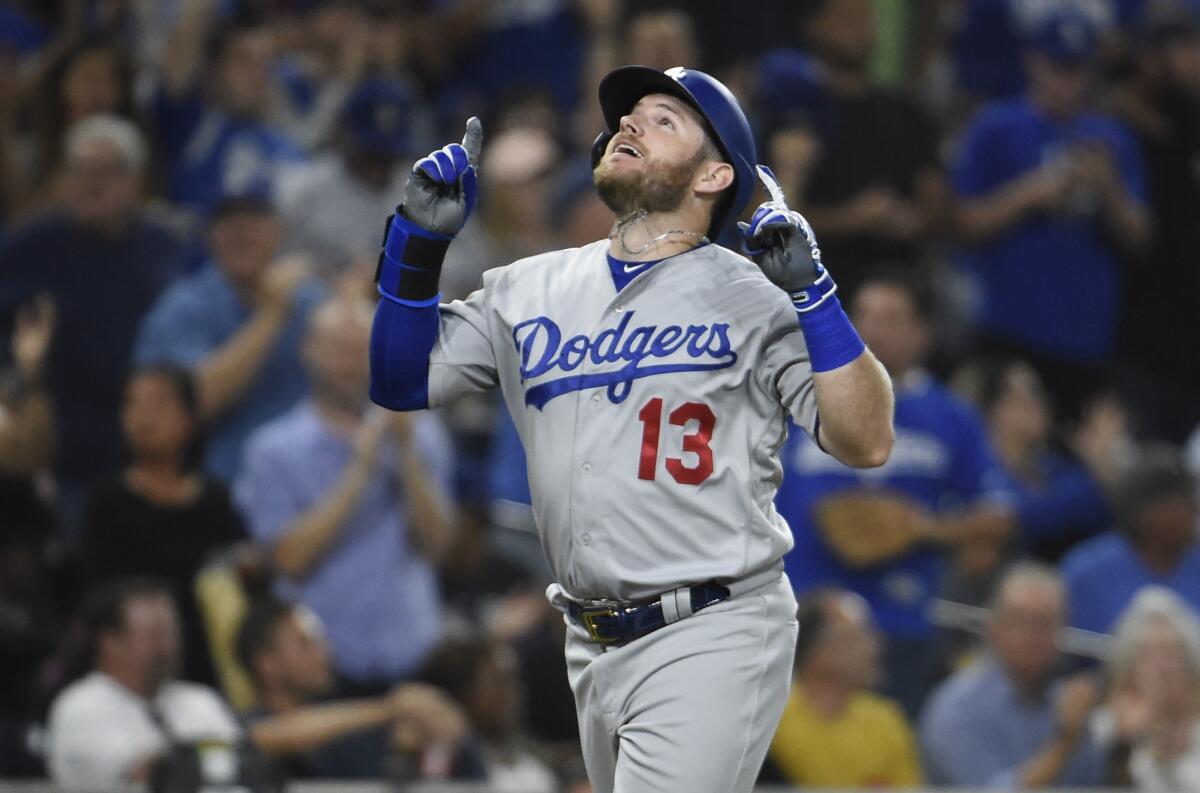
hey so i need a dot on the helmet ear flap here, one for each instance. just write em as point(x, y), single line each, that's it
point(598, 147)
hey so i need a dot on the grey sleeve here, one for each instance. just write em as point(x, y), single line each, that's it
point(463, 360)
point(785, 370)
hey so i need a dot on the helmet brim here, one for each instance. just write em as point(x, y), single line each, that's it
point(622, 88)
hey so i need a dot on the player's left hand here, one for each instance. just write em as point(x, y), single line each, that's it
point(441, 190)
point(783, 244)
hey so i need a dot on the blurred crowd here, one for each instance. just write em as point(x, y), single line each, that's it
point(209, 536)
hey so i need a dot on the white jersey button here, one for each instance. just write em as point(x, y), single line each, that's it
point(585, 538)
point(619, 309)
point(595, 399)
point(586, 468)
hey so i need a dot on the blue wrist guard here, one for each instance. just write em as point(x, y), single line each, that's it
point(832, 341)
point(410, 263)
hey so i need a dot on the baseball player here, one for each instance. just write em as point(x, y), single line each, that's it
point(649, 375)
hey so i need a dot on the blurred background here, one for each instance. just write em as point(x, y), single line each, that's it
point(208, 537)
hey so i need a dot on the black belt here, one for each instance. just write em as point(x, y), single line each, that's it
point(610, 622)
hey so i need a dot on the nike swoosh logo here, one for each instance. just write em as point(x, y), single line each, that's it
point(635, 267)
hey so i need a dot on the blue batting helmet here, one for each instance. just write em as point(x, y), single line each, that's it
point(621, 89)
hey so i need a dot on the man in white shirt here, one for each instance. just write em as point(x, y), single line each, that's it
point(111, 726)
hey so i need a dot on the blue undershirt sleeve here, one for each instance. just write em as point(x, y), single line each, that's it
point(402, 338)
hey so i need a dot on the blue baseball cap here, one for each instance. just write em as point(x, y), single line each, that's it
point(377, 118)
point(1065, 36)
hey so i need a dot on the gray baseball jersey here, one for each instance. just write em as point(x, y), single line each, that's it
point(651, 417)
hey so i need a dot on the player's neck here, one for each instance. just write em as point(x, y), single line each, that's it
point(656, 235)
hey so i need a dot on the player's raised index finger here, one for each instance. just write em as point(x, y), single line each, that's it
point(771, 183)
point(472, 141)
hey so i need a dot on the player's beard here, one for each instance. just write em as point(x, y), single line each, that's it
point(656, 187)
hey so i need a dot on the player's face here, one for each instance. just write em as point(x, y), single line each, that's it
point(156, 424)
point(654, 162)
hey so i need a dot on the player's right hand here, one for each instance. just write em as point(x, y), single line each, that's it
point(441, 190)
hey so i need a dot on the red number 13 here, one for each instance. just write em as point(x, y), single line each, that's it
point(695, 442)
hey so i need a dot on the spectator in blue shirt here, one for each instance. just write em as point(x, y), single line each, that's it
point(1050, 195)
point(211, 115)
point(941, 471)
point(352, 504)
point(1004, 722)
point(1154, 544)
point(237, 325)
point(104, 261)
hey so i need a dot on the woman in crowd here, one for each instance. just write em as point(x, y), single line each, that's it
point(90, 77)
point(1059, 497)
point(162, 515)
point(1153, 710)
